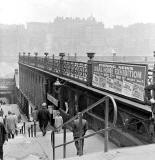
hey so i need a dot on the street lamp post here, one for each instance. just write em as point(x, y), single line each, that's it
point(61, 62)
point(90, 65)
point(57, 85)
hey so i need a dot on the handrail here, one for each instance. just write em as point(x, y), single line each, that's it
point(91, 107)
point(106, 129)
point(87, 136)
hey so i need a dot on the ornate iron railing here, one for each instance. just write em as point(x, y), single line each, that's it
point(71, 69)
point(77, 70)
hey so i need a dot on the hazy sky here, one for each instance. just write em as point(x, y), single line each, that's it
point(111, 12)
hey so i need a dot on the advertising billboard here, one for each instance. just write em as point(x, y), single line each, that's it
point(121, 78)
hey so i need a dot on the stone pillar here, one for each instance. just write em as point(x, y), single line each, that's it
point(90, 68)
point(61, 62)
point(29, 58)
point(46, 60)
point(35, 59)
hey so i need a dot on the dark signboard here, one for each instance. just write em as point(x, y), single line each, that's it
point(122, 78)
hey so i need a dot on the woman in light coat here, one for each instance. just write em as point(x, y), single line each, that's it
point(58, 122)
point(11, 125)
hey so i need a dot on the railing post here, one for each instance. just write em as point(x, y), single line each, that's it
point(34, 128)
point(64, 141)
point(22, 130)
point(90, 68)
point(23, 57)
point(29, 57)
point(31, 130)
point(53, 144)
point(53, 63)
point(61, 62)
point(35, 60)
point(80, 141)
point(24, 127)
point(106, 125)
point(46, 60)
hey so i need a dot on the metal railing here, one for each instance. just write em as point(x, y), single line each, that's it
point(71, 69)
point(22, 130)
point(106, 129)
point(32, 130)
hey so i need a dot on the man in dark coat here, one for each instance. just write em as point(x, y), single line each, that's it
point(79, 130)
point(2, 139)
point(43, 118)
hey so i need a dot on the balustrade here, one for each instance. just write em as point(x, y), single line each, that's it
point(78, 71)
point(71, 69)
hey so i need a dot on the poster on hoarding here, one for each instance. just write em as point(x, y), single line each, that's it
point(122, 78)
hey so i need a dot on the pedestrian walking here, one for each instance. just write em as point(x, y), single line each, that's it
point(16, 122)
point(2, 138)
point(43, 118)
point(58, 122)
point(11, 125)
point(79, 130)
point(35, 114)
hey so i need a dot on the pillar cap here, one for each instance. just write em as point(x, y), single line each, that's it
point(35, 53)
point(61, 55)
point(46, 54)
point(90, 55)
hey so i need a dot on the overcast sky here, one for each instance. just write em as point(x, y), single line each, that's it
point(110, 12)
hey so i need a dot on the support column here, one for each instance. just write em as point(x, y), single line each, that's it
point(76, 103)
point(71, 103)
point(90, 63)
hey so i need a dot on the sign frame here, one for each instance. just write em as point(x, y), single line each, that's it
point(104, 70)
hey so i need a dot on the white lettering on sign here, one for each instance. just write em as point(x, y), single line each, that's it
point(52, 99)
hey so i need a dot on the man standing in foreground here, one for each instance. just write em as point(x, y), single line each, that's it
point(2, 138)
point(43, 118)
point(79, 129)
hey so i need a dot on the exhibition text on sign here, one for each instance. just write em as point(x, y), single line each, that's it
point(126, 79)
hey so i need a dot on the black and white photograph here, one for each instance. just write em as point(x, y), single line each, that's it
point(77, 79)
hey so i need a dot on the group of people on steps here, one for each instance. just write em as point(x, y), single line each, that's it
point(44, 115)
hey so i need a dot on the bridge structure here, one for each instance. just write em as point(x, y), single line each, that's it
point(72, 86)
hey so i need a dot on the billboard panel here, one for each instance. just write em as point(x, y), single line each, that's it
point(122, 78)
